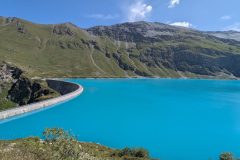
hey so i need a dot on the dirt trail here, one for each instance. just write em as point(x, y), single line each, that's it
point(93, 61)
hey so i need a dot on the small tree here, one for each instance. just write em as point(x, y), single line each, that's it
point(54, 134)
point(63, 144)
point(135, 153)
point(226, 156)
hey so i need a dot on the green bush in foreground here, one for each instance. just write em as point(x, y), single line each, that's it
point(63, 144)
point(226, 156)
point(128, 153)
point(66, 145)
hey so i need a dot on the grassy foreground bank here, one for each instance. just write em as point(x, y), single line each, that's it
point(61, 145)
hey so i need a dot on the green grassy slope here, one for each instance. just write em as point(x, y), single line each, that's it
point(42, 53)
point(157, 50)
point(5, 103)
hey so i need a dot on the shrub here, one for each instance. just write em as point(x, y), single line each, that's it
point(134, 153)
point(62, 144)
point(226, 156)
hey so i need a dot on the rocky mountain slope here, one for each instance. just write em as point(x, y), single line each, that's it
point(122, 50)
point(226, 34)
point(16, 89)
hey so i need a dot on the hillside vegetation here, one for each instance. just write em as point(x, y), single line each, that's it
point(61, 145)
point(122, 50)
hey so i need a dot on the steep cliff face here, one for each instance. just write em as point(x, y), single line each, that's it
point(141, 32)
point(25, 91)
point(122, 50)
point(8, 74)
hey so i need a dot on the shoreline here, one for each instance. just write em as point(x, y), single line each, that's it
point(153, 78)
point(47, 103)
point(200, 77)
point(43, 104)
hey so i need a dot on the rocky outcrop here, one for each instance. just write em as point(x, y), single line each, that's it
point(17, 23)
point(65, 29)
point(22, 90)
point(121, 63)
point(25, 91)
point(135, 32)
point(9, 73)
point(42, 104)
point(20, 27)
point(144, 32)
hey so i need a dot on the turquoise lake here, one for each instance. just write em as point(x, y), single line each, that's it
point(173, 119)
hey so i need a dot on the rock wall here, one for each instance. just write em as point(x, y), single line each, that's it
point(26, 91)
point(61, 86)
point(21, 90)
point(9, 73)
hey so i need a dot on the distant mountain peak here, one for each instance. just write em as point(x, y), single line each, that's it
point(231, 34)
point(137, 31)
point(67, 28)
point(68, 24)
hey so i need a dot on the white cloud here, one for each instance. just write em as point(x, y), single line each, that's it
point(139, 11)
point(226, 17)
point(234, 27)
point(173, 3)
point(182, 24)
point(103, 16)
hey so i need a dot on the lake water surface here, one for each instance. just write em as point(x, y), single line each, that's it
point(173, 119)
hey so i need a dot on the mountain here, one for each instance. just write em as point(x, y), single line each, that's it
point(226, 34)
point(122, 50)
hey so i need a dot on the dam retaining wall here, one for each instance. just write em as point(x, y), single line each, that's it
point(67, 90)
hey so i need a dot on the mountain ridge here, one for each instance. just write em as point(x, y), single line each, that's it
point(234, 35)
point(138, 49)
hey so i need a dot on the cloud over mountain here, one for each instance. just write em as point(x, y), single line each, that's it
point(139, 11)
point(226, 17)
point(233, 27)
point(173, 3)
point(182, 24)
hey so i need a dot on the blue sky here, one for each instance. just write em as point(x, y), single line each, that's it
point(199, 14)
